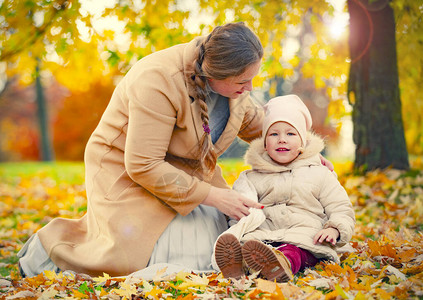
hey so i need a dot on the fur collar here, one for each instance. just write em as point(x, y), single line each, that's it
point(259, 160)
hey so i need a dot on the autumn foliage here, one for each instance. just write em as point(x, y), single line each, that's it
point(62, 37)
point(78, 118)
point(383, 260)
point(73, 116)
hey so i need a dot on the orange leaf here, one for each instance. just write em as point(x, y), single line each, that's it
point(383, 294)
point(378, 249)
point(407, 255)
point(255, 294)
point(334, 269)
point(278, 293)
point(78, 294)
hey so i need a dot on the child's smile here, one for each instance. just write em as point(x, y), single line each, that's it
point(282, 142)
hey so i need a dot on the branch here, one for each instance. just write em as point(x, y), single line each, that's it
point(5, 55)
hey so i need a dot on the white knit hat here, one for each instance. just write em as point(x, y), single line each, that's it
point(290, 109)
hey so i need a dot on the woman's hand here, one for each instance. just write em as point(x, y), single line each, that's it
point(329, 235)
point(326, 163)
point(230, 202)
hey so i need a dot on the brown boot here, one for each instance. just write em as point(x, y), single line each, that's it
point(272, 264)
point(228, 256)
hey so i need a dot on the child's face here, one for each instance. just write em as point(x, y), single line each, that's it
point(282, 142)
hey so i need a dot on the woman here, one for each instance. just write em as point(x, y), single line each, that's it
point(155, 194)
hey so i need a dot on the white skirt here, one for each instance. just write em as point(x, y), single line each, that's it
point(33, 259)
point(186, 244)
point(188, 241)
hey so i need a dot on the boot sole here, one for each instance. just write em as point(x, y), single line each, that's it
point(260, 257)
point(228, 256)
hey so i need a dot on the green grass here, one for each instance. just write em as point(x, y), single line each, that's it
point(69, 172)
point(4, 271)
point(12, 174)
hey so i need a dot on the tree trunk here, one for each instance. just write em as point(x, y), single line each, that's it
point(373, 87)
point(46, 150)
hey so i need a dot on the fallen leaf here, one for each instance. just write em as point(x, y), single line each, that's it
point(21, 295)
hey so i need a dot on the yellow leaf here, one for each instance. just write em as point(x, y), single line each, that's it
point(110, 34)
point(319, 83)
point(50, 274)
point(102, 279)
point(155, 293)
point(126, 290)
point(147, 286)
point(279, 294)
point(360, 296)
point(277, 289)
point(295, 61)
point(103, 292)
point(383, 294)
point(50, 293)
point(193, 281)
point(159, 274)
point(351, 97)
point(341, 292)
point(182, 275)
point(307, 70)
point(287, 72)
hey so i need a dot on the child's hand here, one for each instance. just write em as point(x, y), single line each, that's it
point(329, 235)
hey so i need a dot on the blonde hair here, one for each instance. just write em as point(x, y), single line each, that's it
point(227, 51)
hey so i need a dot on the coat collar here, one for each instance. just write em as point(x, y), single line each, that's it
point(257, 157)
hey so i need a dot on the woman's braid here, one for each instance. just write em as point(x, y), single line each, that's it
point(208, 157)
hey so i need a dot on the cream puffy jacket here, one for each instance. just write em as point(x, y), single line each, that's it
point(299, 199)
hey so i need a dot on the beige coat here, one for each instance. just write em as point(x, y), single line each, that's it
point(142, 166)
point(299, 199)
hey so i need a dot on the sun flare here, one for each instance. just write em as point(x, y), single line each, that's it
point(338, 26)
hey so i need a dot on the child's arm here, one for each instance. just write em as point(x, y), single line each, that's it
point(338, 208)
point(256, 217)
point(244, 186)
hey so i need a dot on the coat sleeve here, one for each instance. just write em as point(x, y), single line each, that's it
point(252, 123)
point(153, 106)
point(256, 217)
point(244, 186)
point(337, 207)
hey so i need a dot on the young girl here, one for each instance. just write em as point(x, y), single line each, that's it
point(306, 212)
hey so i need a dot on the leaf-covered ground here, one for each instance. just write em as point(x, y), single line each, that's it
point(384, 262)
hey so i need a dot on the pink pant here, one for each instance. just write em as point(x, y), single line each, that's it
point(299, 258)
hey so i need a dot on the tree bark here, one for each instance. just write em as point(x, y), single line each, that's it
point(46, 149)
point(373, 87)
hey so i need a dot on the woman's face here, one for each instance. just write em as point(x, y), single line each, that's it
point(234, 86)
